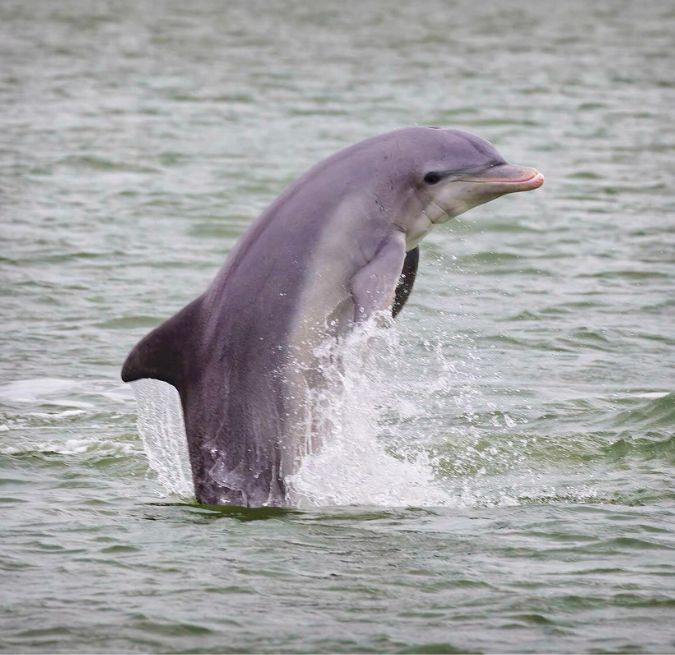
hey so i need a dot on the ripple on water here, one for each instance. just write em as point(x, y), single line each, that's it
point(528, 405)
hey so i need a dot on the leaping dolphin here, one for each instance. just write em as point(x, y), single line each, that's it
point(338, 245)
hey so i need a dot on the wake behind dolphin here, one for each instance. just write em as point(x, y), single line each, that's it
point(335, 248)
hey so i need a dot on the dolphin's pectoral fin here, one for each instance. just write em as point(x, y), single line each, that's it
point(162, 354)
point(373, 287)
point(406, 280)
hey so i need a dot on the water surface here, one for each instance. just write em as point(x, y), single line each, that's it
point(508, 483)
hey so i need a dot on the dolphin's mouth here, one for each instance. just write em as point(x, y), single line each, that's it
point(508, 178)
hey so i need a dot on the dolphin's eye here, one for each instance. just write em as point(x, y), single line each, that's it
point(432, 178)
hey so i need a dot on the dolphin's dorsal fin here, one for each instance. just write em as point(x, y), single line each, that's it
point(163, 354)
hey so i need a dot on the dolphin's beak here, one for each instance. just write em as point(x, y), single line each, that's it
point(508, 178)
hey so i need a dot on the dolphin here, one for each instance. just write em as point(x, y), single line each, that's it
point(337, 246)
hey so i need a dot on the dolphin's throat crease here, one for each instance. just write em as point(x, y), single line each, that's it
point(336, 246)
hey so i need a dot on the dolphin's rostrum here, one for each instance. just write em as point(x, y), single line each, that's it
point(336, 246)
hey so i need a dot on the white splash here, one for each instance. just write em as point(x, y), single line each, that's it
point(162, 429)
point(397, 419)
point(357, 463)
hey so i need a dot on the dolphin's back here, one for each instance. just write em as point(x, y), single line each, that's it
point(226, 352)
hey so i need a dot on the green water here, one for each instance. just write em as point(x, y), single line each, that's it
point(534, 362)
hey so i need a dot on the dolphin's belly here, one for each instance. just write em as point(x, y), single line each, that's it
point(280, 296)
point(284, 292)
point(323, 312)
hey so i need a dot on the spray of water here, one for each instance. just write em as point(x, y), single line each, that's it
point(161, 426)
point(362, 460)
point(393, 423)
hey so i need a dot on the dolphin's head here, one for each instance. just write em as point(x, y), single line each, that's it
point(455, 171)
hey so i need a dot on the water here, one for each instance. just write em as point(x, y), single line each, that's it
point(506, 483)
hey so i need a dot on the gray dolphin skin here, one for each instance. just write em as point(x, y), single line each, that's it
point(338, 245)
